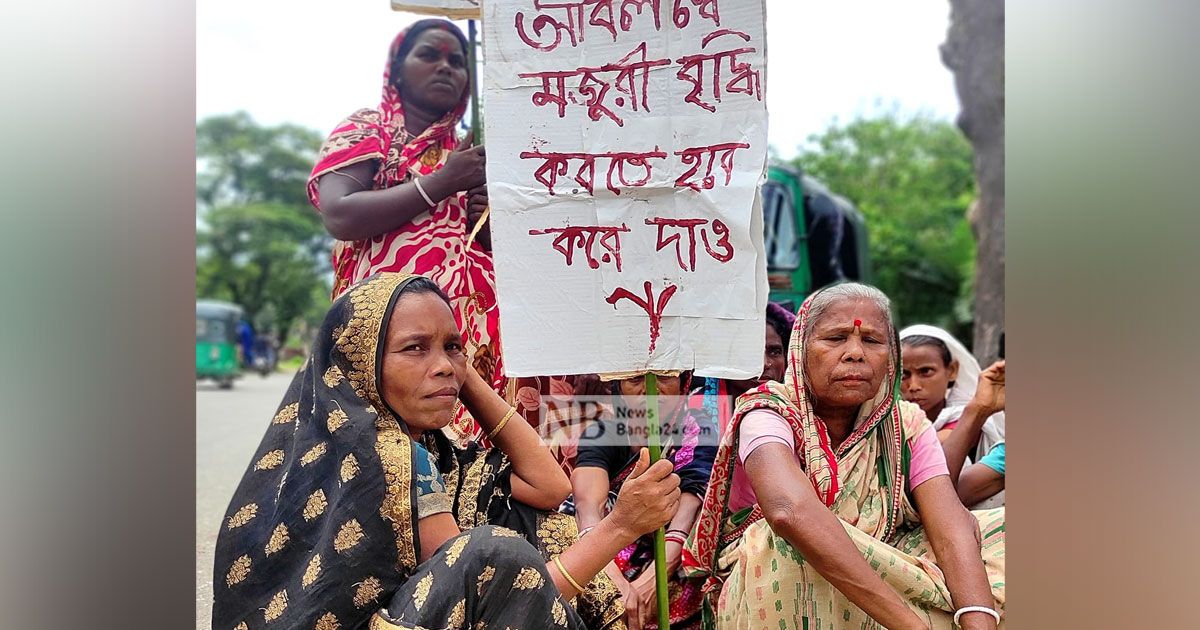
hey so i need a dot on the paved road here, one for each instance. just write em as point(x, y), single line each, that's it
point(229, 426)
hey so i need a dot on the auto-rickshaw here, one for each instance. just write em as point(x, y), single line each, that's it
point(217, 342)
point(813, 237)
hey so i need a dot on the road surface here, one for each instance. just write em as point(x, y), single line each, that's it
point(229, 426)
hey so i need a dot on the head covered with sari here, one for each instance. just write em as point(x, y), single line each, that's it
point(965, 384)
point(322, 524)
point(380, 134)
point(863, 480)
point(322, 530)
point(434, 243)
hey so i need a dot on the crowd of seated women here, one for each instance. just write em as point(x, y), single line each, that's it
point(828, 492)
point(394, 489)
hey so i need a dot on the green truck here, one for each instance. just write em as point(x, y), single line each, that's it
point(812, 236)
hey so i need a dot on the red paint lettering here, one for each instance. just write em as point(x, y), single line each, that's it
point(654, 309)
point(695, 157)
point(584, 237)
point(556, 164)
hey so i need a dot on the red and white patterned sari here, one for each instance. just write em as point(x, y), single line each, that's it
point(434, 243)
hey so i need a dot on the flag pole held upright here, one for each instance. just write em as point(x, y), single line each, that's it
point(654, 434)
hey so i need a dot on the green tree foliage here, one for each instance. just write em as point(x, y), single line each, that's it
point(913, 180)
point(259, 243)
point(241, 162)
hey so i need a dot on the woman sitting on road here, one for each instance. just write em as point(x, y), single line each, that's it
point(965, 405)
point(608, 453)
point(358, 511)
point(868, 532)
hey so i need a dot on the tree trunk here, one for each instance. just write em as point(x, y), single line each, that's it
point(974, 51)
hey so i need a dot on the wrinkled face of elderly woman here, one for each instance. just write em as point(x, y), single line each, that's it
point(845, 363)
point(424, 364)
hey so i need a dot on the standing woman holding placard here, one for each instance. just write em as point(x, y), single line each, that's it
point(399, 190)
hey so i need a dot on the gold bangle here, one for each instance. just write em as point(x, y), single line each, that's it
point(500, 427)
point(561, 569)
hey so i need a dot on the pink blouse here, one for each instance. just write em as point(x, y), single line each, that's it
point(763, 426)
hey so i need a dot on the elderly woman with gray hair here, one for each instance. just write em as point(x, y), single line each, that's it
point(869, 533)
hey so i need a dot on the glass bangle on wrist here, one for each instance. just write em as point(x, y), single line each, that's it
point(425, 195)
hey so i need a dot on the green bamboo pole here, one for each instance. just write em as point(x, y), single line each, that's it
point(654, 433)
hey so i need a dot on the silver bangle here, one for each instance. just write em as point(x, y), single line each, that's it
point(424, 194)
point(983, 609)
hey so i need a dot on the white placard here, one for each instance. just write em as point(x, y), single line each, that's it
point(626, 143)
point(453, 9)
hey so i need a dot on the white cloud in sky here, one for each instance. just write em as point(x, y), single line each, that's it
point(312, 62)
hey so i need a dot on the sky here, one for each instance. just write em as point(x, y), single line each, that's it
point(312, 62)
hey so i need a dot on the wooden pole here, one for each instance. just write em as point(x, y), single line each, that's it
point(473, 62)
point(660, 541)
point(476, 120)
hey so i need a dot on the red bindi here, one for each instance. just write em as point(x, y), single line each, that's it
point(857, 323)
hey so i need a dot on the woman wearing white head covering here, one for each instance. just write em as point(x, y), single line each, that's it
point(943, 378)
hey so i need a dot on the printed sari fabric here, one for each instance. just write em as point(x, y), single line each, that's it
point(485, 577)
point(482, 482)
point(756, 579)
point(549, 404)
point(713, 397)
point(321, 532)
point(434, 243)
point(772, 586)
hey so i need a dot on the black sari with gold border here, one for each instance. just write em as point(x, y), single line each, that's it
point(321, 530)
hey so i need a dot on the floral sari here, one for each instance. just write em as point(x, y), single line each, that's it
point(757, 579)
point(434, 243)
